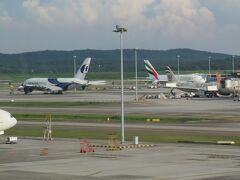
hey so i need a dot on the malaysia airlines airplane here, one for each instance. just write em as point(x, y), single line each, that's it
point(58, 85)
point(6, 121)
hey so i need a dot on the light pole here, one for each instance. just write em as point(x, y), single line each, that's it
point(136, 86)
point(121, 30)
point(233, 64)
point(74, 69)
point(74, 65)
point(178, 58)
point(209, 65)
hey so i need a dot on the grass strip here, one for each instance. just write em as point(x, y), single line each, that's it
point(51, 104)
point(59, 117)
point(147, 136)
point(113, 117)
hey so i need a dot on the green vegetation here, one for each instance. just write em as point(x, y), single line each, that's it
point(148, 136)
point(85, 117)
point(64, 117)
point(17, 78)
point(50, 104)
point(178, 118)
point(57, 63)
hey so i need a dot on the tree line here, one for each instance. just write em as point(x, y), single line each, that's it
point(109, 60)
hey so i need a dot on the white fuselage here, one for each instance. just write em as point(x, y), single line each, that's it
point(198, 79)
point(6, 121)
point(50, 84)
point(193, 78)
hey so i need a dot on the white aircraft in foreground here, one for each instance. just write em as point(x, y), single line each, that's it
point(58, 85)
point(6, 121)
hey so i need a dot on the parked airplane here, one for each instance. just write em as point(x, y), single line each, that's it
point(58, 85)
point(153, 75)
point(170, 79)
point(185, 78)
point(194, 84)
point(6, 121)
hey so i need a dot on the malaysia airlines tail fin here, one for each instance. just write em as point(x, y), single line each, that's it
point(170, 75)
point(82, 71)
point(151, 71)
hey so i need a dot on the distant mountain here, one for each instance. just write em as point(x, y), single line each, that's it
point(109, 60)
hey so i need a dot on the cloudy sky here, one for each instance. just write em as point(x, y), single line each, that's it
point(31, 25)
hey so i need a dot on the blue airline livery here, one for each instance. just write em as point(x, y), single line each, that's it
point(58, 85)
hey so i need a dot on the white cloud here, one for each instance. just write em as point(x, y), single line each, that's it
point(43, 13)
point(185, 18)
point(167, 16)
point(60, 11)
point(151, 23)
point(5, 19)
point(130, 11)
point(76, 12)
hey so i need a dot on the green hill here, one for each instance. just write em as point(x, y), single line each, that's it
point(109, 60)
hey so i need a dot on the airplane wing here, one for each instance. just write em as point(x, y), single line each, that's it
point(85, 82)
point(96, 82)
point(191, 87)
point(188, 89)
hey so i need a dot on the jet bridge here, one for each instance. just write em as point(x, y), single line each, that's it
point(230, 86)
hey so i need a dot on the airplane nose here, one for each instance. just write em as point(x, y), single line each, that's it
point(12, 122)
point(20, 88)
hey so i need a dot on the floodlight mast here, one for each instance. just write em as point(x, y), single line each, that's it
point(121, 30)
point(74, 65)
point(178, 58)
point(233, 64)
point(74, 69)
point(136, 78)
point(209, 65)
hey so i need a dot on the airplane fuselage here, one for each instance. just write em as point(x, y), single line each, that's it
point(6, 121)
point(50, 84)
point(192, 78)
